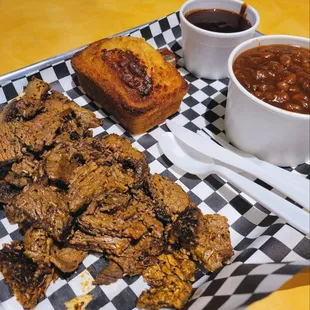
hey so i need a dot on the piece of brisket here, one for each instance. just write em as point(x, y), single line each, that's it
point(67, 259)
point(43, 250)
point(206, 237)
point(122, 151)
point(27, 105)
point(132, 220)
point(7, 192)
point(27, 279)
point(108, 244)
point(10, 145)
point(169, 281)
point(55, 119)
point(139, 256)
point(27, 171)
point(60, 162)
point(56, 103)
point(91, 180)
point(42, 207)
point(169, 197)
point(38, 245)
point(109, 274)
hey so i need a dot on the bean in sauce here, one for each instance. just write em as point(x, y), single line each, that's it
point(278, 74)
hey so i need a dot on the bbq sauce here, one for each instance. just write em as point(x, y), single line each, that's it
point(218, 20)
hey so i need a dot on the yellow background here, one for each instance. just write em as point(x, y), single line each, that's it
point(34, 30)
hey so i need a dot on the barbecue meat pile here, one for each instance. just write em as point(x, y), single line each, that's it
point(72, 194)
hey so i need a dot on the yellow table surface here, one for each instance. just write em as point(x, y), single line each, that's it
point(34, 30)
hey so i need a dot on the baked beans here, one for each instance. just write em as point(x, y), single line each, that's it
point(277, 74)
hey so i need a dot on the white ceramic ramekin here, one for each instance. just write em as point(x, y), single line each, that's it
point(206, 52)
point(270, 133)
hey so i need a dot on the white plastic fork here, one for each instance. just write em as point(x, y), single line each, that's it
point(301, 182)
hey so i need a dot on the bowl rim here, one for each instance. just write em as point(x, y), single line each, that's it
point(283, 39)
point(220, 34)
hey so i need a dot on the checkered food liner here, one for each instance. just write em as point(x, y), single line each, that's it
point(268, 252)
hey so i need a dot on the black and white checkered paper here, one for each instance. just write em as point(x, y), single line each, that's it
point(268, 252)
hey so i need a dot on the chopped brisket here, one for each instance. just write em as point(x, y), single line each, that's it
point(27, 279)
point(90, 180)
point(85, 242)
point(42, 207)
point(206, 237)
point(38, 245)
point(7, 192)
point(72, 194)
point(28, 105)
point(25, 172)
point(109, 274)
point(67, 259)
point(131, 221)
point(169, 281)
point(168, 196)
point(137, 257)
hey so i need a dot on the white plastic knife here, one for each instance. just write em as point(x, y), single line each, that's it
point(217, 152)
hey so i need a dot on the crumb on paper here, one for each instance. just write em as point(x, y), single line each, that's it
point(85, 285)
point(78, 303)
point(86, 282)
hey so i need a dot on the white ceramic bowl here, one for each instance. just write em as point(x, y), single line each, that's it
point(270, 133)
point(206, 52)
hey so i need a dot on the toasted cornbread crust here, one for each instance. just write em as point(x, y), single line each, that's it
point(135, 84)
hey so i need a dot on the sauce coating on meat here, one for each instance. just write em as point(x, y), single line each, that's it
point(27, 279)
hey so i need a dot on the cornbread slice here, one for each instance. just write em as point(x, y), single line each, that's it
point(130, 80)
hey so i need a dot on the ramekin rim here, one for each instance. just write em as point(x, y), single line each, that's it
point(219, 34)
